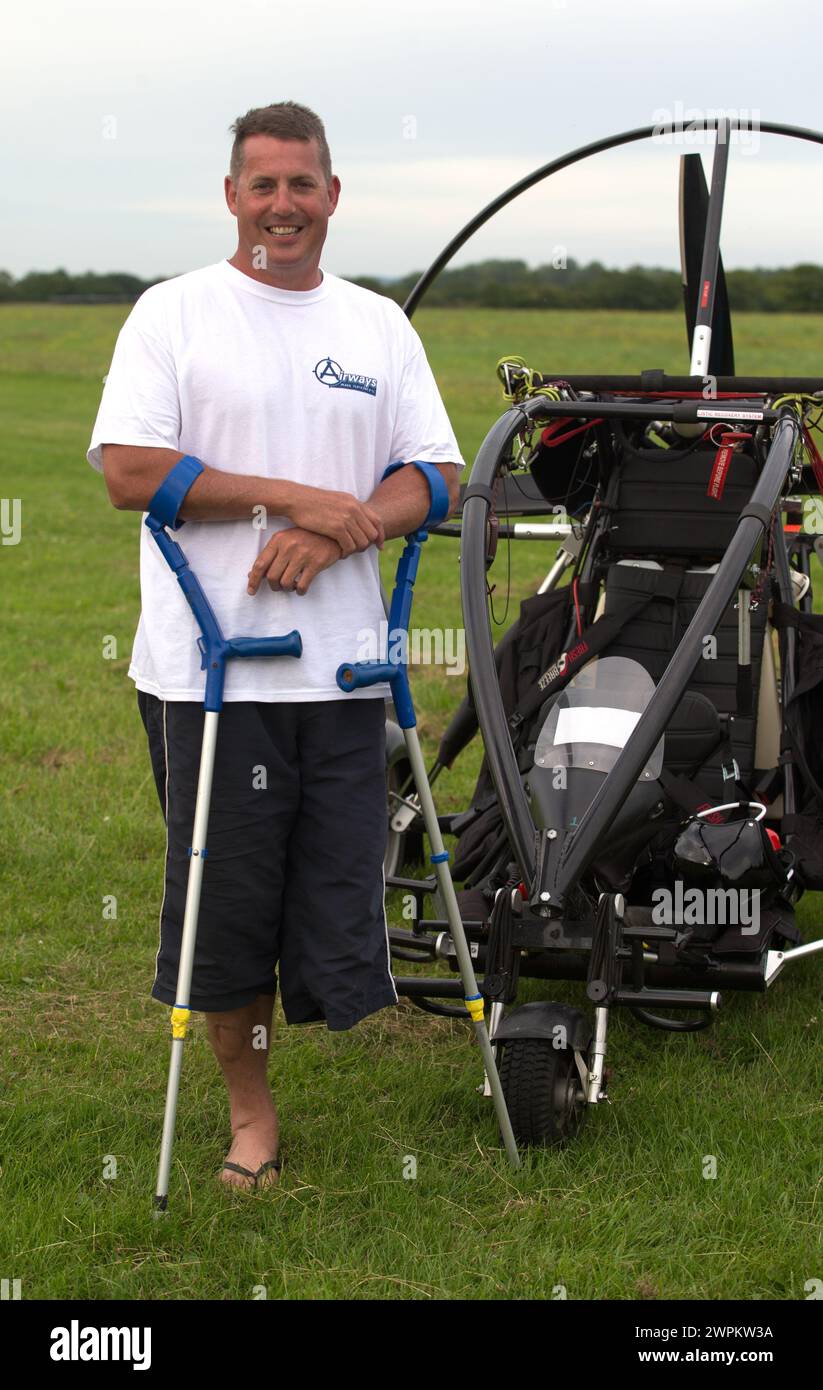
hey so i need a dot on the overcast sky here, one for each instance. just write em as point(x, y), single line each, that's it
point(116, 113)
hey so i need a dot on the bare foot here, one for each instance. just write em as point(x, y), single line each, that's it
point(255, 1142)
point(236, 1037)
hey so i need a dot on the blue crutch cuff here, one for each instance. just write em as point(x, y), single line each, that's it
point(168, 499)
point(438, 489)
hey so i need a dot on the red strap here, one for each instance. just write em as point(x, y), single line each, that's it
point(729, 441)
point(551, 437)
point(720, 468)
point(577, 608)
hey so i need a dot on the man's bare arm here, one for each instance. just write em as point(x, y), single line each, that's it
point(133, 475)
point(403, 500)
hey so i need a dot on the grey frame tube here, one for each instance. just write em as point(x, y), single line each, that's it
point(788, 666)
point(653, 722)
point(545, 171)
point(479, 645)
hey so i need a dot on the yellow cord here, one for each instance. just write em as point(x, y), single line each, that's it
point(522, 380)
point(518, 381)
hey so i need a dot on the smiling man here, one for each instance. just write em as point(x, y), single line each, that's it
point(295, 389)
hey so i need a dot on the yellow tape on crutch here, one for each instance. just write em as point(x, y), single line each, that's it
point(179, 1020)
point(474, 1004)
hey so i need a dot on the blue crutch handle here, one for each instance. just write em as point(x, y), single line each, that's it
point(354, 675)
point(289, 645)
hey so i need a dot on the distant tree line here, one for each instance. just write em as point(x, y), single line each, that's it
point(57, 286)
point(513, 285)
point(489, 284)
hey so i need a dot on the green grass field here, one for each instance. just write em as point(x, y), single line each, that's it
point(625, 1213)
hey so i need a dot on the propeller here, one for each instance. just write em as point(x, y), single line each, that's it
point(694, 208)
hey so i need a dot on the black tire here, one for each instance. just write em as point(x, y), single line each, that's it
point(402, 847)
point(544, 1094)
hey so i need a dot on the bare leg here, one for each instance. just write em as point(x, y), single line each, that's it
point(240, 1041)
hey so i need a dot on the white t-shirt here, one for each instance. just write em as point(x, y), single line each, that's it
point(324, 387)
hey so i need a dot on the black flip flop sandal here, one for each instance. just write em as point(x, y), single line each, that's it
point(275, 1163)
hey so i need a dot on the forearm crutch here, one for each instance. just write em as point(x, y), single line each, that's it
point(357, 674)
point(215, 650)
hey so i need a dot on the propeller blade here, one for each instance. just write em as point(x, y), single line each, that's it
point(693, 209)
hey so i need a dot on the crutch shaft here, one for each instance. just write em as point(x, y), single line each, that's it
point(189, 940)
point(169, 1121)
point(197, 859)
point(446, 886)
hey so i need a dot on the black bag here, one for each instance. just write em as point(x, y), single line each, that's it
point(482, 846)
point(566, 475)
point(803, 734)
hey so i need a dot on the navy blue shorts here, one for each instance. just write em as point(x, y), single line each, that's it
point(293, 878)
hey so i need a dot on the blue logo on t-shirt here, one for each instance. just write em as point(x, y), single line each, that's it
point(330, 373)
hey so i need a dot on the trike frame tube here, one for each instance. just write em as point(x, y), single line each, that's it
point(652, 724)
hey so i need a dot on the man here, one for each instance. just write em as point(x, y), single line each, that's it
point(296, 390)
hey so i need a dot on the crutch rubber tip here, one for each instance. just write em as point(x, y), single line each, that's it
point(160, 1204)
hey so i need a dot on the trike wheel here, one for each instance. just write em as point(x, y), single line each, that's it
point(393, 858)
point(402, 846)
point(543, 1090)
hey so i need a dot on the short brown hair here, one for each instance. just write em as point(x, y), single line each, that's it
point(286, 120)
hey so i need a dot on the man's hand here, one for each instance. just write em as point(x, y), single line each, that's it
point(353, 525)
point(293, 558)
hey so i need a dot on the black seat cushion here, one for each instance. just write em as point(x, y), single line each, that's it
point(652, 636)
point(664, 504)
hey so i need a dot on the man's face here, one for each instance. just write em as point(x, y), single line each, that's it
point(282, 204)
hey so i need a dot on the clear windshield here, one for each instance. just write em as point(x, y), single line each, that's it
point(594, 717)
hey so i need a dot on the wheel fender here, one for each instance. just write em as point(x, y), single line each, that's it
point(395, 744)
point(541, 1019)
